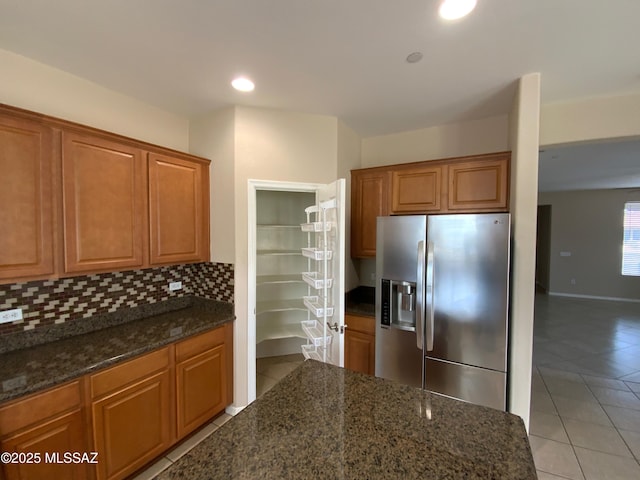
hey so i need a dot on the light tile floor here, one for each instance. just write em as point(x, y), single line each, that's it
point(585, 394)
point(271, 369)
point(268, 372)
point(178, 451)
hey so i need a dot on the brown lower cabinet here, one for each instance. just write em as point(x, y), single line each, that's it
point(201, 374)
point(360, 344)
point(46, 424)
point(129, 413)
point(131, 409)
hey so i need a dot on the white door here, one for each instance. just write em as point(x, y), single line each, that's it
point(336, 191)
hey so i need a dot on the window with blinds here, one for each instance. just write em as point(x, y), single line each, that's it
point(631, 240)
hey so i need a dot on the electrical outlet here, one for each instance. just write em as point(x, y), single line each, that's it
point(175, 286)
point(11, 315)
point(573, 281)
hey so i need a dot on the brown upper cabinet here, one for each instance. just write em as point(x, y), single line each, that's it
point(26, 199)
point(473, 184)
point(417, 189)
point(104, 204)
point(369, 199)
point(479, 185)
point(77, 200)
point(178, 210)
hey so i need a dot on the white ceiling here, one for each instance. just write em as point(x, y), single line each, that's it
point(338, 57)
point(590, 166)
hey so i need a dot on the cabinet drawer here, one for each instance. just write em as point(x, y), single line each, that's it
point(361, 324)
point(38, 407)
point(123, 374)
point(201, 343)
point(65, 433)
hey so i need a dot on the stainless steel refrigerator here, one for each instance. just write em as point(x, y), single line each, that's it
point(442, 293)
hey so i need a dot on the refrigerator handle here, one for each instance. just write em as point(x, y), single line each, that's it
point(420, 296)
point(430, 297)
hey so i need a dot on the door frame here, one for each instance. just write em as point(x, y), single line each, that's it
point(543, 248)
point(253, 186)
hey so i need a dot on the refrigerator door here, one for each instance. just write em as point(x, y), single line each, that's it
point(469, 284)
point(472, 384)
point(399, 273)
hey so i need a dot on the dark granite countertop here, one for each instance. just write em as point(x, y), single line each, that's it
point(325, 422)
point(127, 334)
point(361, 301)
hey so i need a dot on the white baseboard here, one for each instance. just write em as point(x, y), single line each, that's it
point(233, 410)
point(595, 297)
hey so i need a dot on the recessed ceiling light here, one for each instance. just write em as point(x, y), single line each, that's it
point(243, 84)
point(454, 9)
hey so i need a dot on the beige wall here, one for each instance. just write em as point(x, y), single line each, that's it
point(213, 136)
point(261, 144)
point(517, 132)
point(588, 224)
point(487, 135)
point(281, 146)
point(349, 152)
point(589, 120)
point(524, 131)
point(34, 86)
point(475, 137)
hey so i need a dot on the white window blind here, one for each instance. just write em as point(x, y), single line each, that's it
point(631, 241)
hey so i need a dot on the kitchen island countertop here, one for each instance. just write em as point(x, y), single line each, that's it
point(325, 422)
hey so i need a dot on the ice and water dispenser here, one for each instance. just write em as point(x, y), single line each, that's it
point(398, 304)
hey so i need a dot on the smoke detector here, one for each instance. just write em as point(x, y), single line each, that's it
point(414, 57)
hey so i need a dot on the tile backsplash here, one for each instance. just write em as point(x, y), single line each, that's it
point(48, 302)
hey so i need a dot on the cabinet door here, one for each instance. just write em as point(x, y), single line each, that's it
point(178, 210)
point(51, 441)
point(417, 190)
point(104, 209)
point(360, 342)
point(132, 426)
point(26, 199)
point(359, 352)
point(479, 185)
point(369, 199)
point(201, 384)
